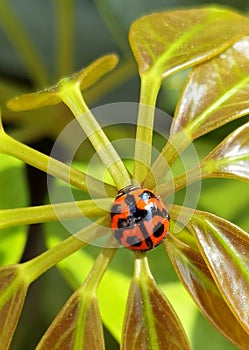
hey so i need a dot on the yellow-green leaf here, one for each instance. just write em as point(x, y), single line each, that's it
point(166, 42)
point(150, 321)
point(85, 78)
point(215, 93)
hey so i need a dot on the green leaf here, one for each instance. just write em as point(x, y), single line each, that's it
point(12, 181)
point(166, 42)
point(150, 321)
point(231, 157)
point(195, 276)
point(48, 97)
point(13, 288)
point(225, 248)
point(215, 93)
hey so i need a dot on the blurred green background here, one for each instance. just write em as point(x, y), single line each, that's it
point(91, 29)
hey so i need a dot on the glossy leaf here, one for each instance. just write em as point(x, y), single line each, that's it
point(216, 92)
point(79, 318)
point(168, 41)
point(197, 279)
point(78, 325)
point(85, 78)
point(150, 321)
point(13, 288)
point(225, 248)
point(231, 157)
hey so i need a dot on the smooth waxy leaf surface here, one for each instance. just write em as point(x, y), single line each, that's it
point(77, 326)
point(85, 78)
point(225, 248)
point(168, 41)
point(231, 157)
point(216, 92)
point(196, 277)
point(150, 321)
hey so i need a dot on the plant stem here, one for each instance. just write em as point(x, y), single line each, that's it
point(175, 145)
point(64, 32)
point(166, 189)
point(62, 211)
point(72, 97)
point(148, 95)
point(100, 265)
point(40, 264)
point(23, 45)
point(52, 166)
point(87, 294)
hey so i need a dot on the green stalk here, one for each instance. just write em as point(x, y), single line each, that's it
point(72, 97)
point(64, 33)
point(23, 45)
point(40, 264)
point(150, 86)
point(52, 166)
point(100, 265)
point(88, 292)
point(180, 182)
point(176, 144)
point(62, 211)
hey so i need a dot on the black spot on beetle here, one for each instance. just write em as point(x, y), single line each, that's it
point(158, 230)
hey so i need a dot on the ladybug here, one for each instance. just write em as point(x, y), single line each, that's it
point(139, 219)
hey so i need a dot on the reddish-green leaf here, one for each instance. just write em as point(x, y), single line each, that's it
point(77, 326)
point(168, 41)
point(13, 288)
point(225, 249)
point(150, 321)
point(216, 92)
point(231, 157)
point(194, 274)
